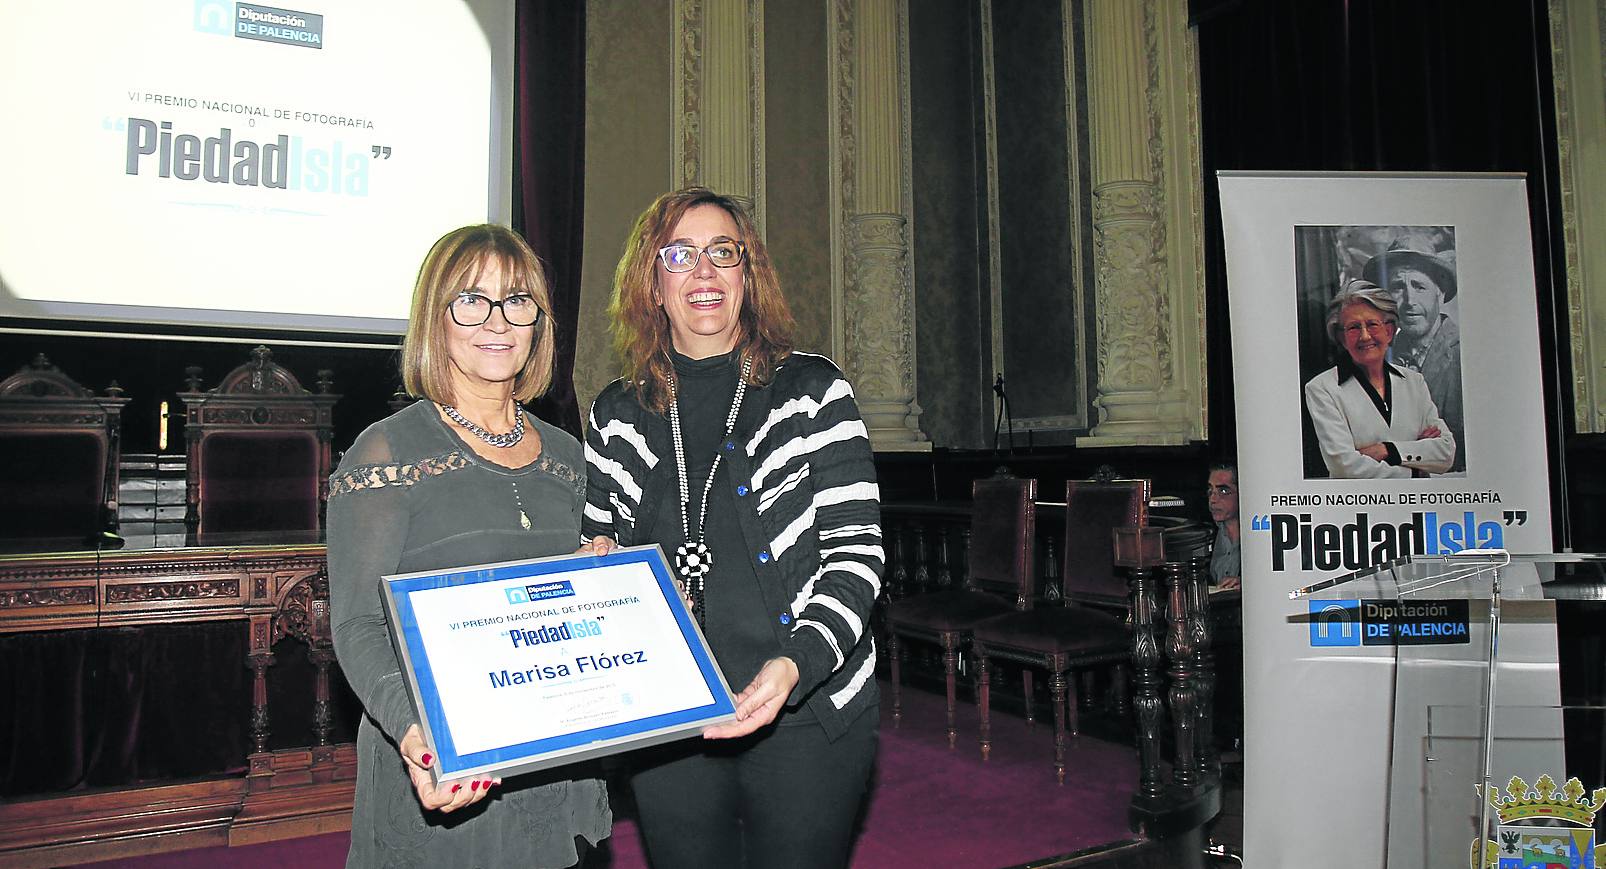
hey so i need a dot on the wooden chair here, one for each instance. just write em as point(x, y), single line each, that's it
point(1000, 580)
point(258, 447)
point(61, 443)
point(1185, 539)
point(1089, 629)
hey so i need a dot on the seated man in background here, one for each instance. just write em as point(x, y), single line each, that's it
point(1222, 497)
point(1225, 572)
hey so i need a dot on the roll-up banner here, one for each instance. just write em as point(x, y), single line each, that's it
point(1405, 419)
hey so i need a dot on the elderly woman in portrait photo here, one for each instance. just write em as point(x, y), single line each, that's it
point(750, 462)
point(1373, 419)
point(464, 476)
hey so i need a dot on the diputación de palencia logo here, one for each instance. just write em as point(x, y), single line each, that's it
point(261, 23)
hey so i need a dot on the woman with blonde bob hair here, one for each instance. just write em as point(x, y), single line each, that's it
point(1372, 418)
point(750, 462)
point(464, 477)
point(453, 263)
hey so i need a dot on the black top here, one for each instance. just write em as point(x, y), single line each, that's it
point(804, 487)
point(733, 613)
point(1385, 402)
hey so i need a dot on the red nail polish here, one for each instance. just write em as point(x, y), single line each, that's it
point(456, 788)
point(427, 758)
point(474, 785)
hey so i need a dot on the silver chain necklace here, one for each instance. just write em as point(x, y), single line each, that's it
point(500, 441)
point(693, 558)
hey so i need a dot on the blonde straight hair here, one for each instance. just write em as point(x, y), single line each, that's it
point(454, 264)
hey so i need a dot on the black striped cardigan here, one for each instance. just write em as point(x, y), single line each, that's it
point(810, 516)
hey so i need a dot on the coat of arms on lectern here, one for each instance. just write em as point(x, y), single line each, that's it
point(1543, 827)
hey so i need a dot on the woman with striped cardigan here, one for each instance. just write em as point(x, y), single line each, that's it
point(750, 463)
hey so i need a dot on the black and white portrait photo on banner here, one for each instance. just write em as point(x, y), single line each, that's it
point(1379, 300)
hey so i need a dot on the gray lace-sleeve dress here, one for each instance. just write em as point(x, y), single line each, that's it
point(410, 496)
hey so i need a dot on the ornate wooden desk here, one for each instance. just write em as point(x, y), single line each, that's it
point(275, 590)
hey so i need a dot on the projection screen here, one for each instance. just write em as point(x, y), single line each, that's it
point(196, 163)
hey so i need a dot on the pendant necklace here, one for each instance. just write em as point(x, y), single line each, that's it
point(502, 441)
point(523, 519)
point(693, 557)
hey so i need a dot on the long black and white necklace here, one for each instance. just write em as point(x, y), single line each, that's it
point(500, 441)
point(693, 557)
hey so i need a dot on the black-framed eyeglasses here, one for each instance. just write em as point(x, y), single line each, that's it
point(679, 258)
point(473, 309)
point(1220, 491)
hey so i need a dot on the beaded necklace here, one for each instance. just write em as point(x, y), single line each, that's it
point(693, 558)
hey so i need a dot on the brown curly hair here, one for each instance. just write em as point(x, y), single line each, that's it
point(641, 334)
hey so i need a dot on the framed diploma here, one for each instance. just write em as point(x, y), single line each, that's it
point(531, 664)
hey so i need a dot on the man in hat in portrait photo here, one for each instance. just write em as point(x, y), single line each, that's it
point(1428, 341)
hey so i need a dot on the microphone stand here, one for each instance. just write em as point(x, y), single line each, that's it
point(1005, 418)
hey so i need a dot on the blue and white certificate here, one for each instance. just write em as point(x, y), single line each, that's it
point(532, 664)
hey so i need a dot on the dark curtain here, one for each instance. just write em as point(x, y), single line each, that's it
point(122, 706)
point(128, 706)
point(1362, 85)
point(549, 172)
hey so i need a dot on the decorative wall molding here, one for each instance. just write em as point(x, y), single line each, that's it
point(878, 334)
point(686, 60)
point(1147, 247)
point(718, 59)
point(755, 97)
point(995, 276)
point(872, 59)
point(1578, 63)
point(906, 201)
point(839, 35)
point(1152, 61)
point(1133, 320)
point(1186, 194)
point(1076, 212)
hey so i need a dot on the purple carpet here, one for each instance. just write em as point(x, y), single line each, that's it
point(935, 807)
point(929, 806)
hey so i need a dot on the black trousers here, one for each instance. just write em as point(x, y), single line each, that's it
point(782, 797)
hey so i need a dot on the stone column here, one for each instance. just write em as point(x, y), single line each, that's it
point(1578, 58)
point(733, 84)
point(720, 118)
point(1148, 304)
point(878, 298)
